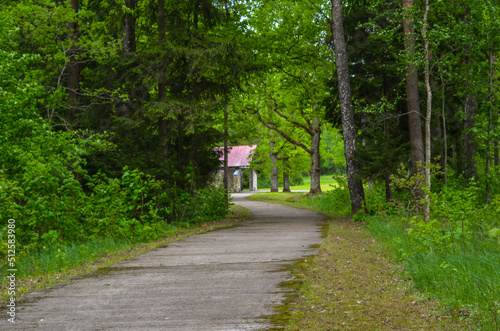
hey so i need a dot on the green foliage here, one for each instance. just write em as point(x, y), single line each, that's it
point(458, 220)
point(55, 257)
point(382, 148)
point(413, 188)
point(206, 205)
point(337, 201)
point(264, 180)
point(454, 257)
point(465, 282)
point(332, 151)
point(55, 202)
point(128, 208)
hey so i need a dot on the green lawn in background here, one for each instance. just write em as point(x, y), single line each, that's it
point(326, 182)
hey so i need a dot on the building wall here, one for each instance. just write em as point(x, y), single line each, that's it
point(236, 179)
point(252, 180)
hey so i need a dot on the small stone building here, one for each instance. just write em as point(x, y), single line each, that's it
point(239, 158)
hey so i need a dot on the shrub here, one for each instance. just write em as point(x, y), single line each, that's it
point(336, 201)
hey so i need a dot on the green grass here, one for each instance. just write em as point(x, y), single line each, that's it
point(297, 200)
point(352, 284)
point(466, 284)
point(286, 198)
point(59, 258)
point(327, 184)
point(334, 200)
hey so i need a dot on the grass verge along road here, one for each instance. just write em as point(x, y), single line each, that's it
point(352, 284)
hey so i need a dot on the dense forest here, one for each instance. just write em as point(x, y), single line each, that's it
point(110, 112)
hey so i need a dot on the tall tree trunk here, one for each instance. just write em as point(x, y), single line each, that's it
point(354, 182)
point(412, 97)
point(315, 171)
point(129, 45)
point(195, 15)
point(226, 154)
point(286, 181)
point(73, 66)
point(388, 188)
point(286, 176)
point(428, 116)
point(470, 109)
point(253, 181)
point(162, 93)
point(274, 166)
point(496, 153)
point(495, 127)
point(490, 125)
point(445, 133)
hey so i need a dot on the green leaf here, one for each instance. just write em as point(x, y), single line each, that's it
point(495, 232)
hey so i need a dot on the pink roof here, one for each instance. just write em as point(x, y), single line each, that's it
point(239, 156)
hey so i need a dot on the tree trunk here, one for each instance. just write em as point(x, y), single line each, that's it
point(226, 155)
point(286, 182)
point(354, 182)
point(388, 188)
point(161, 20)
point(162, 94)
point(428, 116)
point(129, 45)
point(496, 153)
point(286, 176)
point(412, 97)
point(470, 109)
point(253, 180)
point(315, 171)
point(490, 125)
point(445, 134)
point(274, 167)
point(73, 66)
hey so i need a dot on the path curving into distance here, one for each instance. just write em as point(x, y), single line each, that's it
point(221, 280)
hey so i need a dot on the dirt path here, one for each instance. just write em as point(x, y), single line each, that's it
point(222, 280)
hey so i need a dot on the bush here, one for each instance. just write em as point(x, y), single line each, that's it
point(206, 205)
point(336, 201)
point(296, 180)
point(263, 180)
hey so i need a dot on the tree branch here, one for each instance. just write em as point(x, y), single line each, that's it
point(287, 73)
point(281, 133)
point(275, 110)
